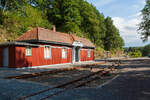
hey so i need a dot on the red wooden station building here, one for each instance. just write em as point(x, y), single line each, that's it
point(40, 47)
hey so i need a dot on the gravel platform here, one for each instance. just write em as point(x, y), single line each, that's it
point(132, 84)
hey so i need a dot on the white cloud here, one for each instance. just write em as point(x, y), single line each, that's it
point(128, 30)
point(143, 2)
point(138, 15)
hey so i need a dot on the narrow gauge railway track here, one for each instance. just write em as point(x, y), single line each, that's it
point(24, 76)
point(69, 85)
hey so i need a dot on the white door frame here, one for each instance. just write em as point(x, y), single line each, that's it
point(74, 54)
point(79, 45)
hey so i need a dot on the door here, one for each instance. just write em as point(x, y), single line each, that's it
point(77, 54)
point(5, 57)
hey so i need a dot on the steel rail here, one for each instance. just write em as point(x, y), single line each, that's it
point(69, 88)
point(59, 86)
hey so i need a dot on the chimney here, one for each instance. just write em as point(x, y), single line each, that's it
point(54, 28)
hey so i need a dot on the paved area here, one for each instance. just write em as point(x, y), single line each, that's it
point(13, 89)
point(131, 86)
point(133, 83)
point(6, 72)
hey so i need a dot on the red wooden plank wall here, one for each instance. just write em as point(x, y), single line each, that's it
point(84, 55)
point(11, 56)
point(37, 58)
point(17, 57)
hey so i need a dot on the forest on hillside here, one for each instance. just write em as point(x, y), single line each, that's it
point(69, 16)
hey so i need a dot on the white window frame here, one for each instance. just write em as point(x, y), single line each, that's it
point(47, 52)
point(89, 53)
point(64, 53)
point(28, 51)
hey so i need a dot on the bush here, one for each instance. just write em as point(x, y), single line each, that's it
point(135, 54)
point(146, 50)
point(99, 52)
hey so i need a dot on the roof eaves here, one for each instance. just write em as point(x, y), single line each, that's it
point(45, 41)
point(18, 44)
point(53, 42)
point(88, 47)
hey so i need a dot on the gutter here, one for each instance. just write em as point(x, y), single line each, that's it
point(53, 42)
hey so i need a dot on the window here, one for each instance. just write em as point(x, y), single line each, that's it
point(47, 52)
point(28, 51)
point(89, 53)
point(64, 53)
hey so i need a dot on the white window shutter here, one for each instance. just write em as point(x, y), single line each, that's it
point(64, 53)
point(47, 52)
point(28, 51)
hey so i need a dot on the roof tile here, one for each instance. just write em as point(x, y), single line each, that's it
point(48, 35)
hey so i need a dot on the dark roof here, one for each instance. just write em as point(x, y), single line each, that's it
point(41, 34)
point(18, 44)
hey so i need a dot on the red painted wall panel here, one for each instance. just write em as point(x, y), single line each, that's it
point(17, 57)
point(84, 55)
point(11, 56)
point(37, 58)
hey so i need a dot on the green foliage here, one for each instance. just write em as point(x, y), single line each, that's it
point(93, 23)
point(135, 54)
point(99, 52)
point(32, 17)
point(112, 39)
point(144, 27)
point(146, 50)
point(65, 15)
point(70, 16)
point(19, 21)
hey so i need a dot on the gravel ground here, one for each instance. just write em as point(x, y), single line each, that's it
point(133, 83)
point(13, 89)
point(59, 78)
point(67, 76)
point(6, 72)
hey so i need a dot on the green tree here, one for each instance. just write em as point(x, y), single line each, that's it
point(144, 27)
point(16, 22)
point(146, 50)
point(65, 15)
point(11, 5)
point(70, 16)
point(93, 24)
point(112, 39)
point(32, 17)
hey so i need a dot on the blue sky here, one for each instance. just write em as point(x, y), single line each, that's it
point(126, 17)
